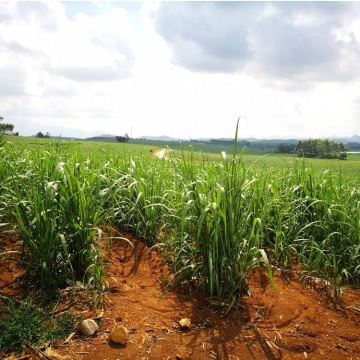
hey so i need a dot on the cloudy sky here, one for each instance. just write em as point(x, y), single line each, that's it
point(182, 69)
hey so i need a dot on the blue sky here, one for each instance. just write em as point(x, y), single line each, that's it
point(183, 69)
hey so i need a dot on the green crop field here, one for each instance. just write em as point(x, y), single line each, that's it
point(214, 215)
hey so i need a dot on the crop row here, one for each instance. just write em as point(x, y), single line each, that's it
point(214, 221)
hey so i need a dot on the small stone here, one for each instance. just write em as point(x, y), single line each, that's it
point(120, 335)
point(185, 324)
point(88, 327)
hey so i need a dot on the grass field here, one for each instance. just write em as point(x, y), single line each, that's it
point(215, 216)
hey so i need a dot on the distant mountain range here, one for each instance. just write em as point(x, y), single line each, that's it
point(160, 138)
point(352, 142)
point(93, 136)
point(345, 140)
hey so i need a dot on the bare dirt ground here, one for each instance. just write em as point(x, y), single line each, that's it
point(298, 321)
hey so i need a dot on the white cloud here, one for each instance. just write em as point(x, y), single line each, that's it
point(291, 42)
point(181, 68)
point(12, 81)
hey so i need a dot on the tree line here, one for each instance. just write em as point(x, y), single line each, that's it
point(323, 149)
point(42, 136)
point(316, 148)
point(122, 139)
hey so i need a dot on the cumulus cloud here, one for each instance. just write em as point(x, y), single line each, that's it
point(12, 81)
point(207, 37)
point(45, 45)
point(61, 64)
point(188, 68)
point(37, 14)
point(95, 49)
point(294, 41)
point(17, 48)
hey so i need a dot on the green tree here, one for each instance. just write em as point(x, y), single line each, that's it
point(122, 139)
point(324, 149)
point(40, 135)
point(285, 148)
point(6, 128)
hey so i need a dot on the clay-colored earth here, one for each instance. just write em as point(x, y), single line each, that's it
point(298, 321)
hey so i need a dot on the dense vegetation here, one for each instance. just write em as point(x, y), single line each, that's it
point(122, 139)
point(214, 217)
point(6, 128)
point(324, 149)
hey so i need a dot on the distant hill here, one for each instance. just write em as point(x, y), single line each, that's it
point(59, 137)
point(352, 142)
point(104, 138)
point(107, 136)
point(160, 138)
point(345, 140)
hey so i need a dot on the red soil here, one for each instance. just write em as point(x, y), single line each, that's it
point(297, 321)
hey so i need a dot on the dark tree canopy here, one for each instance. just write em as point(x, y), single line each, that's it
point(324, 149)
point(40, 135)
point(6, 128)
point(122, 139)
point(285, 148)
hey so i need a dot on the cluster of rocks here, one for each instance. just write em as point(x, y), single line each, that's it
point(120, 334)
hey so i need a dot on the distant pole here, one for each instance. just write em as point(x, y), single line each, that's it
point(131, 132)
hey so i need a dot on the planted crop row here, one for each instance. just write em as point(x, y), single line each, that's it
point(214, 220)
